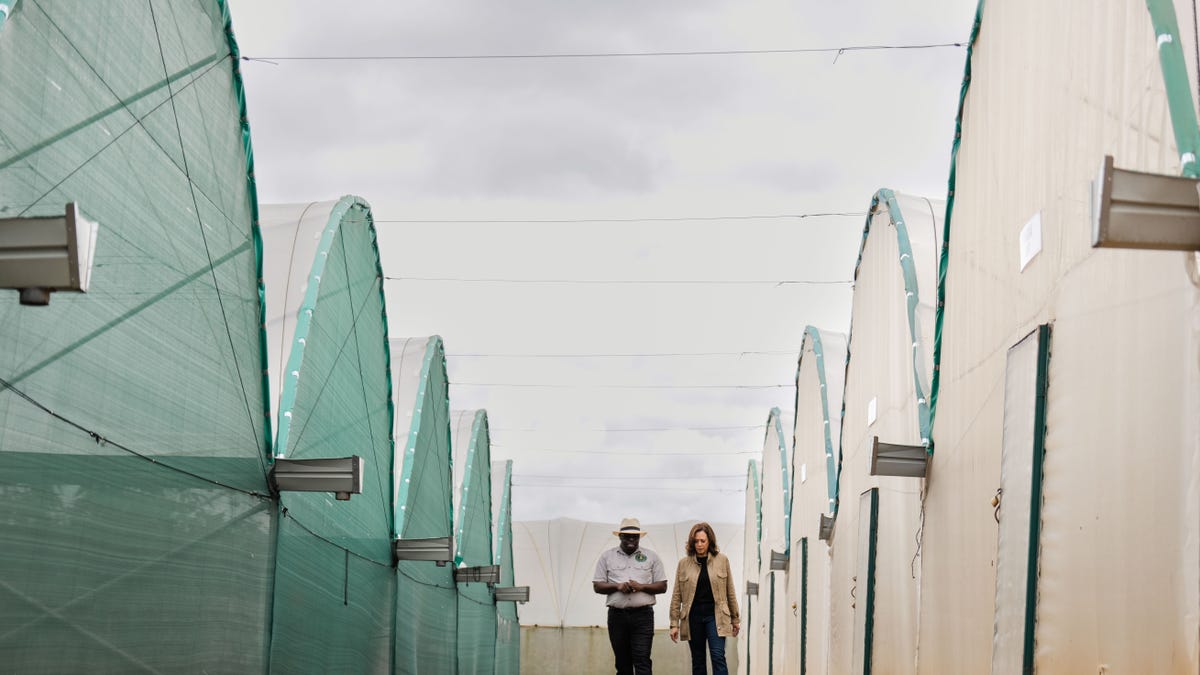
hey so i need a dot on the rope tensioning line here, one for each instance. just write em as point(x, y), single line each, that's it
point(136, 124)
point(377, 286)
point(103, 440)
point(203, 235)
point(427, 584)
point(286, 514)
point(124, 103)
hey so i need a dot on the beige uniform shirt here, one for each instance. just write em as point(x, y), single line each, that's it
point(643, 567)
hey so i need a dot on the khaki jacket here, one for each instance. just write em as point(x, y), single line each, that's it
point(687, 573)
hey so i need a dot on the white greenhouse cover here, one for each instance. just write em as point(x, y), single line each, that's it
point(557, 560)
point(820, 375)
point(886, 395)
point(1054, 87)
point(461, 424)
point(291, 236)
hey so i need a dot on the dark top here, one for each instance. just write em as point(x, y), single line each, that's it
point(703, 602)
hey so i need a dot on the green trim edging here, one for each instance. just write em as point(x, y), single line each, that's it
point(771, 630)
point(387, 365)
point(1176, 81)
point(872, 547)
point(433, 348)
point(504, 523)
point(256, 231)
point(263, 354)
point(803, 606)
point(773, 419)
point(831, 476)
point(479, 433)
point(944, 258)
point(1035, 498)
point(291, 382)
point(752, 482)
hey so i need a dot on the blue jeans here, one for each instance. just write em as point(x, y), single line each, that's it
point(703, 629)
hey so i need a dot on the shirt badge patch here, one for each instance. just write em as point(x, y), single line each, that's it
point(640, 557)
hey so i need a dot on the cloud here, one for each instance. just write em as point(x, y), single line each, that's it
point(608, 138)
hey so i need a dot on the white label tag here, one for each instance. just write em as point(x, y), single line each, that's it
point(871, 412)
point(1031, 239)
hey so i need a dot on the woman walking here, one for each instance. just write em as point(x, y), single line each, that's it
point(704, 609)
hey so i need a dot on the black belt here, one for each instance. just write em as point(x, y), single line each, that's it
point(630, 609)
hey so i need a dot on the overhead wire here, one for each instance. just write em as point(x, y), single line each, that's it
point(672, 219)
point(631, 487)
point(620, 429)
point(788, 352)
point(639, 477)
point(546, 385)
point(705, 282)
point(594, 55)
point(645, 453)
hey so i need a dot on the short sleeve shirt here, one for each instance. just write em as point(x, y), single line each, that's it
point(643, 567)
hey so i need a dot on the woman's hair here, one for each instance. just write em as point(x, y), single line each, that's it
point(689, 546)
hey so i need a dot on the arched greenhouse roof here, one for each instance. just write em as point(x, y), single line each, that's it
point(508, 627)
point(426, 616)
point(329, 372)
point(477, 617)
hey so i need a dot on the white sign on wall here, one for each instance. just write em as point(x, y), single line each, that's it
point(1031, 239)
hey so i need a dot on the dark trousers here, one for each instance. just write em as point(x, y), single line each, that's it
point(631, 631)
point(703, 627)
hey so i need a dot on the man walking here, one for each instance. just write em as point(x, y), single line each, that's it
point(630, 576)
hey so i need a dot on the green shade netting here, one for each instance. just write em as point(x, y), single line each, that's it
point(333, 607)
point(508, 628)
point(473, 543)
point(426, 597)
point(335, 588)
point(136, 533)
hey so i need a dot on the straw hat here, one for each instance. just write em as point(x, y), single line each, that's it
point(630, 526)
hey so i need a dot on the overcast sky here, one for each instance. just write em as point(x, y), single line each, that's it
point(626, 139)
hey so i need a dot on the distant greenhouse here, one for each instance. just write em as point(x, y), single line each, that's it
point(426, 616)
point(508, 628)
point(775, 489)
point(816, 449)
point(748, 641)
point(473, 540)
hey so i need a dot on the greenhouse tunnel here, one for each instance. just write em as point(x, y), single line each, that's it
point(508, 627)
point(427, 597)
point(328, 365)
point(473, 540)
point(815, 444)
point(875, 573)
point(1091, 447)
point(138, 523)
point(749, 639)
